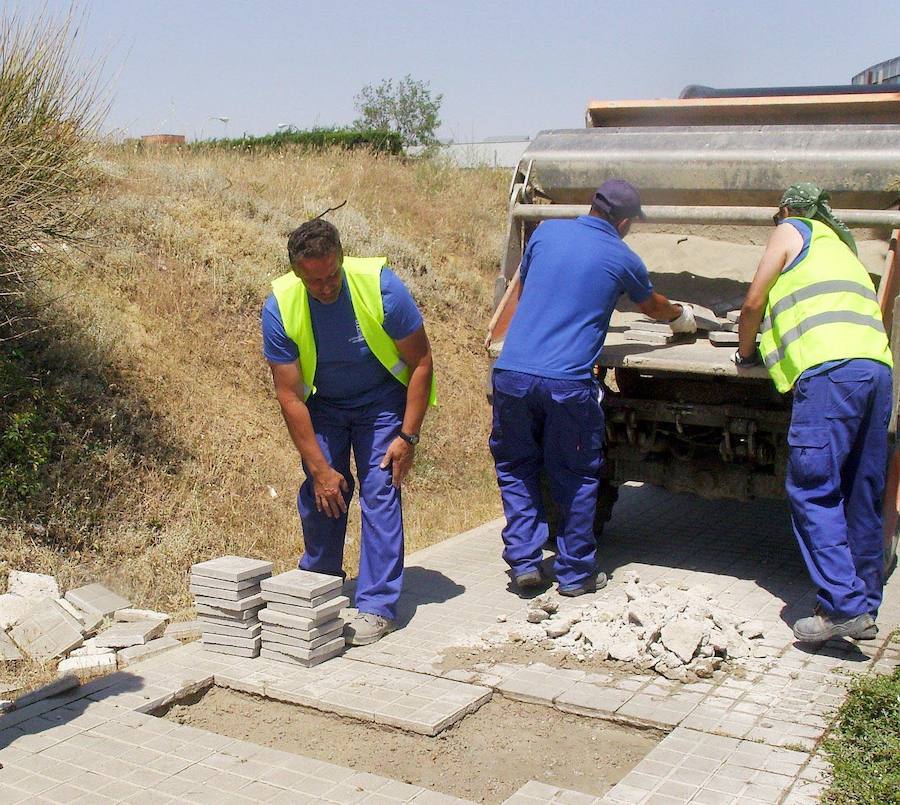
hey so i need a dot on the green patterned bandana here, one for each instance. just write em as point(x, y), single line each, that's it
point(811, 202)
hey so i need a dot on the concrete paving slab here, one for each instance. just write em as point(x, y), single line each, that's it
point(251, 602)
point(96, 664)
point(132, 633)
point(206, 612)
point(97, 600)
point(130, 614)
point(235, 629)
point(269, 636)
point(209, 638)
point(12, 609)
point(319, 614)
point(306, 654)
point(279, 621)
point(132, 654)
point(184, 630)
point(221, 593)
point(32, 586)
point(47, 631)
point(8, 650)
point(221, 584)
point(303, 584)
point(233, 568)
point(269, 651)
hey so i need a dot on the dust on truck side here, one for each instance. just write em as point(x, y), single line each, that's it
point(680, 415)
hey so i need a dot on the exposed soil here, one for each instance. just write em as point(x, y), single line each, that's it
point(486, 757)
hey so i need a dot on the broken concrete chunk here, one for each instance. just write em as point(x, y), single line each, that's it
point(135, 633)
point(624, 646)
point(88, 666)
point(536, 615)
point(133, 654)
point(557, 628)
point(129, 615)
point(95, 599)
point(550, 607)
point(682, 637)
point(32, 585)
point(8, 650)
point(751, 629)
point(12, 608)
point(733, 316)
point(47, 631)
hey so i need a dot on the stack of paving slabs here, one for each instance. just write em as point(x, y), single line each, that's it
point(301, 623)
point(226, 593)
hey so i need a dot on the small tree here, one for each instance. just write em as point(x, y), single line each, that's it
point(405, 106)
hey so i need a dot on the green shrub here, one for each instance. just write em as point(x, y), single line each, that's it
point(48, 114)
point(379, 140)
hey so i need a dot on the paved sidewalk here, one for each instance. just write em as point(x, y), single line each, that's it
point(735, 740)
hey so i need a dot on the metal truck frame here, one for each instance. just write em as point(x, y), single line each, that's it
point(681, 415)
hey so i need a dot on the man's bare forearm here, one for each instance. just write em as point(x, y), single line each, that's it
point(751, 316)
point(299, 425)
point(418, 393)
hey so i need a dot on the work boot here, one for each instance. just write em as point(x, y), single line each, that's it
point(590, 585)
point(821, 627)
point(365, 628)
point(530, 580)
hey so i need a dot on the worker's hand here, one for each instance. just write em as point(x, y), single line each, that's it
point(399, 457)
point(746, 363)
point(685, 322)
point(487, 341)
point(330, 487)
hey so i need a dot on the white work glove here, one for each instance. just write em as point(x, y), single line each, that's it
point(685, 322)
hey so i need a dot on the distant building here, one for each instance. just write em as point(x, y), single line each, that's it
point(887, 72)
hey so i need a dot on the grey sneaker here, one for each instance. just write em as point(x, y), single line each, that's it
point(820, 627)
point(365, 628)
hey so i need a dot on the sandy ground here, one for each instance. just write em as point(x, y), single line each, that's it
point(486, 757)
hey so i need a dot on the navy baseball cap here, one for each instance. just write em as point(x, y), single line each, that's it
point(618, 199)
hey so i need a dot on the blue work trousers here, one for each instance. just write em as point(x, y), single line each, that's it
point(556, 425)
point(837, 462)
point(368, 430)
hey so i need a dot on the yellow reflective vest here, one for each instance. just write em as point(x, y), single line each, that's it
point(363, 277)
point(821, 308)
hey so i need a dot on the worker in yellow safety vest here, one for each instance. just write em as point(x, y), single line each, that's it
point(352, 368)
point(824, 340)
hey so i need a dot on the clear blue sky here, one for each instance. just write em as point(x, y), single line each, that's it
point(503, 67)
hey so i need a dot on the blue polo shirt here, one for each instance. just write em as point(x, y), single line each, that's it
point(348, 375)
point(572, 274)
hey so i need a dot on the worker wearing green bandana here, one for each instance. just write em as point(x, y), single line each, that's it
point(823, 339)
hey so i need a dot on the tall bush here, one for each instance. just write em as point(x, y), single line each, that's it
point(49, 112)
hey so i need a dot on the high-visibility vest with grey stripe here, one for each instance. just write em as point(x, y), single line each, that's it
point(821, 308)
point(363, 277)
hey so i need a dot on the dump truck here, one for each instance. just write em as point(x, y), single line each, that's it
point(679, 414)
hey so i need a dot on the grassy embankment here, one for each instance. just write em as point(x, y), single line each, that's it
point(154, 433)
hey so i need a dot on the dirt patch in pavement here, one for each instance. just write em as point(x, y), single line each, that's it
point(486, 757)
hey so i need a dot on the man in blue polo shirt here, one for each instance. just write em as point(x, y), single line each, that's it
point(352, 368)
point(547, 412)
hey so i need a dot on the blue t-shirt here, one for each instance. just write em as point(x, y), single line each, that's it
point(572, 274)
point(347, 373)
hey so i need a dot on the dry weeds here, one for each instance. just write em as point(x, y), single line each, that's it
point(163, 312)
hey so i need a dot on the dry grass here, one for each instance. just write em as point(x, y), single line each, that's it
point(180, 439)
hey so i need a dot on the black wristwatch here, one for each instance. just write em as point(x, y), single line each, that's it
point(409, 438)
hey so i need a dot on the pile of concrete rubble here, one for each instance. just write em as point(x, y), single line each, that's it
point(678, 633)
point(90, 630)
